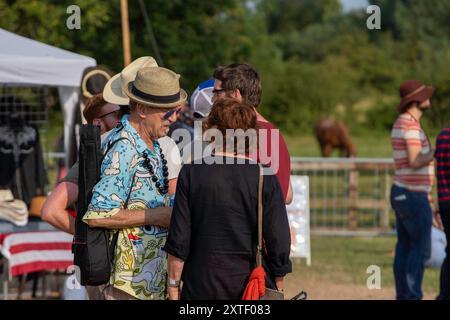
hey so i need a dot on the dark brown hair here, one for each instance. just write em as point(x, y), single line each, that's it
point(228, 113)
point(93, 107)
point(243, 77)
point(408, 106)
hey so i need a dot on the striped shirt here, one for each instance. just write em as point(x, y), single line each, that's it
point(442, 156)
point(406, 133)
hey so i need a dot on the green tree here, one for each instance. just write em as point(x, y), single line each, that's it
point(191, 35)
point(314, 60)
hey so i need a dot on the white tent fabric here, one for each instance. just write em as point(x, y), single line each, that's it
point(31, 63)
point(26, 61)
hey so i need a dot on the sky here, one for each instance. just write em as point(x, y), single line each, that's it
point(354, 4)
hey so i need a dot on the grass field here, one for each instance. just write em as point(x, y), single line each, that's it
point(338, 271)
point(339, 266)
point(368, 144)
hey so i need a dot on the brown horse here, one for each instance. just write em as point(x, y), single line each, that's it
point(333, 134)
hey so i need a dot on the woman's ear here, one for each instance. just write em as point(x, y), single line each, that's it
point(97, 122)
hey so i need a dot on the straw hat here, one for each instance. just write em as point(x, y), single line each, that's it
point(156, 87)
point(114, 89)
point(93, 81)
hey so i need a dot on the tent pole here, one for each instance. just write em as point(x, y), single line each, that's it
point(125, 32)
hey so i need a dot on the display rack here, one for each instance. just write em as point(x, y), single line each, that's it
point(31, 104)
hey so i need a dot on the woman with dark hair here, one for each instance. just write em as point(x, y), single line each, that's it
point(212, 239)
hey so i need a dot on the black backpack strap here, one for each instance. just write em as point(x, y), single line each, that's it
point(110, 145)
point(89, 173)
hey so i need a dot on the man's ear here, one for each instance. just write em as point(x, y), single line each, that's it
point(237, 95)
point(142, 111)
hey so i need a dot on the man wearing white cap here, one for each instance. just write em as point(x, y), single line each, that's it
point(191, 145)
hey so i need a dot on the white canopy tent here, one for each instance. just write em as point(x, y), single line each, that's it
point(27, 62)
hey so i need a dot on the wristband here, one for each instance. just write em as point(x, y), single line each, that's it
point(173, 283)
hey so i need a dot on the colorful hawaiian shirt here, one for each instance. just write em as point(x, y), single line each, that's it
point(140, 267)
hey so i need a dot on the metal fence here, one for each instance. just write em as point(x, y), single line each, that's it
point(348, 193)
point(345, 194)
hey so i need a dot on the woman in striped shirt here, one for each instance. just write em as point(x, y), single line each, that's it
point(410, 193)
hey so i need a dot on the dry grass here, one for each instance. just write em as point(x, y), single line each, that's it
point(338, 270)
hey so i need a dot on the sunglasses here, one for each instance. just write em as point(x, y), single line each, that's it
point(169, 113)
point(216, 92)
point(116, 114)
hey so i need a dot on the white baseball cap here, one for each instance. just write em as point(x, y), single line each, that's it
point(201, 99)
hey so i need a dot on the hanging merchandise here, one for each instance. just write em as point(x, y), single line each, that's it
point(12, 210)
point(21, 159)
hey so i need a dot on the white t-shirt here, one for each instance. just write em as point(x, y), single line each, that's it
point(172, 155)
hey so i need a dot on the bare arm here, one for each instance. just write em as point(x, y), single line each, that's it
point(124, 218)
point(172, 185)
point(290, 195)
point(417, 159)
point(279, 281)
point(54, 209)
point(174, 269)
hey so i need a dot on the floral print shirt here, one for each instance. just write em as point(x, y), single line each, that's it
point(140, 267)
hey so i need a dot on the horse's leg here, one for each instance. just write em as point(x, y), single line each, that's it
point(327, 150)
point(322, 149)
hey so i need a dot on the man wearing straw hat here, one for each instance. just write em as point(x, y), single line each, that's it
point(114, 92)
point(411, 190)
point(102, 111)
point(134, 179)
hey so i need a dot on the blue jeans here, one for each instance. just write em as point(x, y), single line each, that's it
point(413, 220)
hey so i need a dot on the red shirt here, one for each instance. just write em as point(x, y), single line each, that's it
point(267, 154)
point(442, 156)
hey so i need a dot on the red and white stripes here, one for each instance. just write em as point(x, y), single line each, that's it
point(36, 251)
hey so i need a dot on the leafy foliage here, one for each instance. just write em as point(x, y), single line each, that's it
point(315, 61)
